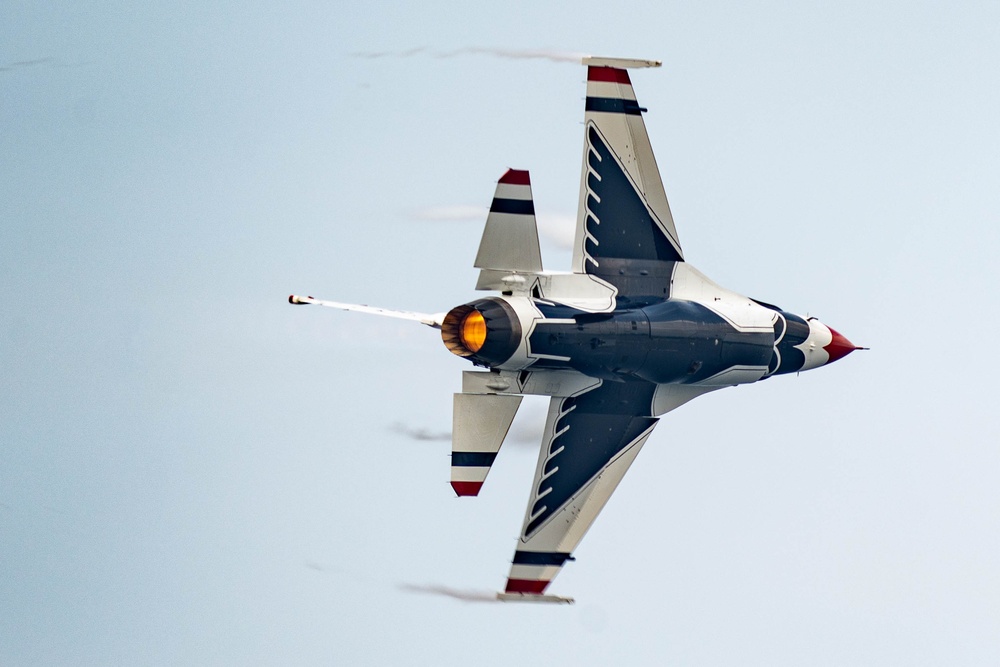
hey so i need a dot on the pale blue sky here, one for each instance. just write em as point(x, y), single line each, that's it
point(194, 472)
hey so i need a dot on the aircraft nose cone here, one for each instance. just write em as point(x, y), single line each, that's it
point(839, 347)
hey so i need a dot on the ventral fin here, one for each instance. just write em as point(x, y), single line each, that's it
point(510, 238)
point(479, 425)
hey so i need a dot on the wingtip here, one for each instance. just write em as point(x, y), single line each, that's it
point(621, 63)
point(533, 597)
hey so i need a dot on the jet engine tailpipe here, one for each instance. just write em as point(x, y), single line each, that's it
point(487, 331)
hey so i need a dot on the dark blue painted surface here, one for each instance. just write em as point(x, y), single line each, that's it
point(541, 558)
point(557, 311)
point(618, 220)
point(516, 206)
point(596, 426)
point(664, 341)
point(614, 105)
point(672, 341)
point(473, 459)
point(639, 282)
point(796, 332)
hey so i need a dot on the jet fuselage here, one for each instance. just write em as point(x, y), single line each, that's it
point(665, 341)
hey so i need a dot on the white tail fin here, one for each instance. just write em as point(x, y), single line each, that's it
point(510, 239)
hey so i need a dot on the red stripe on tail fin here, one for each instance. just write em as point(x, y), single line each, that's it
point(515, 177)
point(609, 74)
point(526, 586)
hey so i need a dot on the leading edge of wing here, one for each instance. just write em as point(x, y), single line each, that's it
point(589, 443)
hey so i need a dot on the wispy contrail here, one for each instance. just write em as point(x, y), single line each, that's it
point(465, 595)
point(523, 433)
point(421, 433)
point(24, 64)
point(455, 213)
point(557, 228)
point(521, 54)
point(372, 55)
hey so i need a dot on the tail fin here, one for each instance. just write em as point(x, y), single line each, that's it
point(510, 239)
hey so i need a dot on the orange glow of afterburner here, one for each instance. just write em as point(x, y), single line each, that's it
point(473, 332)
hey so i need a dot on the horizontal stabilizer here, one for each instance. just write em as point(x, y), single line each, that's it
point(510, 238)
point(479, 425)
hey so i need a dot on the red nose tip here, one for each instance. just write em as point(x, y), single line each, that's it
point(839, 347)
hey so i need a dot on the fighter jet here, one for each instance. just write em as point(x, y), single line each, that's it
point(631, 333)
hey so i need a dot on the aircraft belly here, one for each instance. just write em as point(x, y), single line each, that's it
point(632, 333)
point(609, 347)
point(690, 343)
point(694, 359)
point(669, 342)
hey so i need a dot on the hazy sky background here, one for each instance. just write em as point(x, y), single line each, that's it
point(194, 472)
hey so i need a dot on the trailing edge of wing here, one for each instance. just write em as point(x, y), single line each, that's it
point(589, 443)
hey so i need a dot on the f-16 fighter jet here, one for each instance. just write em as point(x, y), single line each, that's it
point(630, 334)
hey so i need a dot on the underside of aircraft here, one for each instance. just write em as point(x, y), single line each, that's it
point(631, 333)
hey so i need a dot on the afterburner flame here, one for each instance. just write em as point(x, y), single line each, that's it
point(473, 332)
